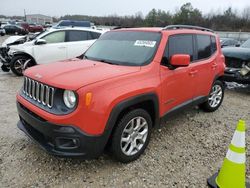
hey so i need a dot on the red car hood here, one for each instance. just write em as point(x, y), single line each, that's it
point(75, 74)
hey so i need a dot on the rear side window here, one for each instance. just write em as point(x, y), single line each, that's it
point(180, 44)
point(77, 36)
point(203, 46)
point(94, 35)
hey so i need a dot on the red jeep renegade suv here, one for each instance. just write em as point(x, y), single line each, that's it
point(126, 83)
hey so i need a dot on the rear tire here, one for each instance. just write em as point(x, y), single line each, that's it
point(131, 136)
point(18, 62)
point(215, 97)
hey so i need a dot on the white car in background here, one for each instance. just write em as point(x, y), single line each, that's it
point(51, 46)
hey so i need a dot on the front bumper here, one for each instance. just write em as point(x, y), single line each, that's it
point(60, 140)
point(233, 75)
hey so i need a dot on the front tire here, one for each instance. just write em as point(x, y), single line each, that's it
point(131, 136)
point(215, 97)
point(19, 63)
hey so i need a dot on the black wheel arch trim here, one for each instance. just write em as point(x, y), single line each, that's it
point(220, 78)
point(113, 117)
point(152, 97)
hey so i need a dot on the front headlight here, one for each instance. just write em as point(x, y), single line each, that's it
point(69, 98)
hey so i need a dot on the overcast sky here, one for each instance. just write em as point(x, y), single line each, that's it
point(109, 7)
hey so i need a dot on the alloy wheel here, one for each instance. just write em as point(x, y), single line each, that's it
point(134, 136)
point(21, 64)
point(215, 96)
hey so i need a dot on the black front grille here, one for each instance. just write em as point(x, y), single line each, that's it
point(39, 92)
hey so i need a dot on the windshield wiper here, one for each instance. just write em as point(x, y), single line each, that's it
point(101, 60)
point(83, 56)
point(108, 62)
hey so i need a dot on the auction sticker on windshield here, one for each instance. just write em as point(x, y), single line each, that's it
point(145, 43)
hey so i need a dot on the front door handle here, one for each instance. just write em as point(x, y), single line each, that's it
point(193, 73)
point(61, 47)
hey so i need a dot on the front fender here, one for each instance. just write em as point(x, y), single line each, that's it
point(24, 54)
point(132, 101)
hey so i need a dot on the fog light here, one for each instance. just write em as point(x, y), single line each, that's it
point(67, 143)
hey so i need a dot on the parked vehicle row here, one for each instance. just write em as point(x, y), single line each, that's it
point(46, 47)
point(126, 83)
point(33, 28)
point(15, 29)
point(22, 28)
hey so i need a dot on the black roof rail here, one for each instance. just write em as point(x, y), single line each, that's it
point(169, 27)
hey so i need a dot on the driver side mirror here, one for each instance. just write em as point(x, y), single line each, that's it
point(40, 42)
point(180, 60)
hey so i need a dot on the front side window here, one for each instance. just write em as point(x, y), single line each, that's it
point(179, 44)
point(55, 37)
point(133, 48)
point(203, 46)
point(77, 36)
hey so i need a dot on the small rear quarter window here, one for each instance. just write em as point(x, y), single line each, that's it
point(213, 45)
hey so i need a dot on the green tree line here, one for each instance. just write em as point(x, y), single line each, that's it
point(229, 20)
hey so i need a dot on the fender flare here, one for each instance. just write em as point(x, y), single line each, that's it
point(113, 117)
point(220, 78)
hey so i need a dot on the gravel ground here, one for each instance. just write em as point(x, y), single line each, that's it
point(188, 149)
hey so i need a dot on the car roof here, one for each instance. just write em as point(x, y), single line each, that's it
point(150, 29)
point(170, 31)
point(75, 29)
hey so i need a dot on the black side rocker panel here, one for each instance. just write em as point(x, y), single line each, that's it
point(181, 107)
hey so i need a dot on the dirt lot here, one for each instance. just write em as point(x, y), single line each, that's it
point(184, 153)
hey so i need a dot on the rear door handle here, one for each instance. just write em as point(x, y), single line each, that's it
point(214, 65)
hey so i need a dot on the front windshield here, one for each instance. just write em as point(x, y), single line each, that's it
point(246, 44)
point(125, 47)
